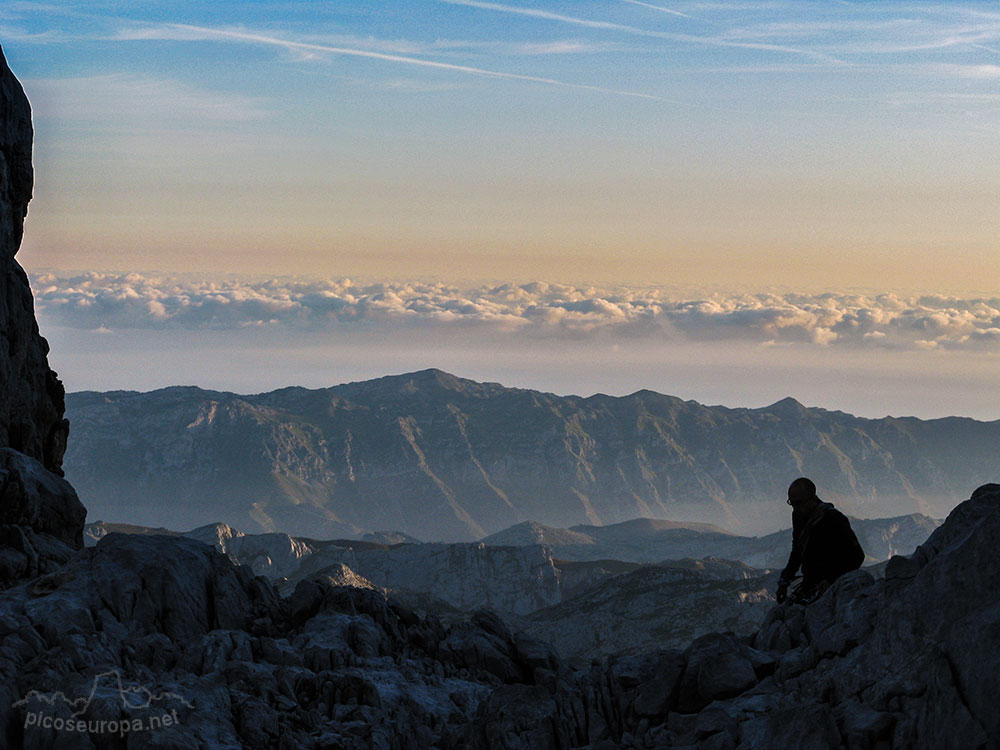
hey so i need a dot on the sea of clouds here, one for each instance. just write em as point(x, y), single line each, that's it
point(109, 302)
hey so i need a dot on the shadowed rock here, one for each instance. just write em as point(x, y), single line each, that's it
point(31, 397)
point(41, 518)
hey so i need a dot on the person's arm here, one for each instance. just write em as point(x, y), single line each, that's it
point(794, 561)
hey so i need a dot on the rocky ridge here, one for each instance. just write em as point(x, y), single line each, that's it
point(585, 609)
point(652, 607)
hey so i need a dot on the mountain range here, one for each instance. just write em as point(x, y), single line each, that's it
point(448, 459)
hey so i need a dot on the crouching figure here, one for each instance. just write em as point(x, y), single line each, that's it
point(823, 545)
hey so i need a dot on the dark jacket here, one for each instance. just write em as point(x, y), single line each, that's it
point(824, 545)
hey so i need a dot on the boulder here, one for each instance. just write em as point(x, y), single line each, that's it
point(33, 497)
point(718, 667)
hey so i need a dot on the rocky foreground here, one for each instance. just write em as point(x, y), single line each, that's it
point(906, 661)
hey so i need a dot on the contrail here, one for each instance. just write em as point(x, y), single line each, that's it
point(659, 7)
point(275, 41)
point(635, 30)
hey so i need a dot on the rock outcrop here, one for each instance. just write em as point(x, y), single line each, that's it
point(467, 576)
point(169, 617)
point(904, 662)
point(41, 518)
point(32, 400)
point(585, 609)
point(653, 607)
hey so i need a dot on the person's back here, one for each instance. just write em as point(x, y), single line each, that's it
point(823, 544)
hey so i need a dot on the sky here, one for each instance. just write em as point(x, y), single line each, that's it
point(727, 201)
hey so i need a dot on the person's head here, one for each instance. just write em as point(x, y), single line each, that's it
point(802, 494)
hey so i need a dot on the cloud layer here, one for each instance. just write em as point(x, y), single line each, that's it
point(109, 302)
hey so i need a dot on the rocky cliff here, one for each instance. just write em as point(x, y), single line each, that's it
point(41, 519)
point(32, 397)
point(448, 459)
point(654, 606)
point(464, 577)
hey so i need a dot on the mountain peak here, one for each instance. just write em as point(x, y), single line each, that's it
point(787, 407)
point(433, 375)
point(420, 379)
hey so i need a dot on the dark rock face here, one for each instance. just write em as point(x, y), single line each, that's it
point(41, 518)
point(36, 498)
point(32, 399)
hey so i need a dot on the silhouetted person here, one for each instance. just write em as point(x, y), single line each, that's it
point(823, 543)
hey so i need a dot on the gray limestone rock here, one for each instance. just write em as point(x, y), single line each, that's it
point(718, 667)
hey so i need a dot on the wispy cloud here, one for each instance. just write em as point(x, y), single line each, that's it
point(659, 8)
point(982, 72)
point(18, 34)
point(557, 47)
point(410, 85)
point(711, 41)
point(191, 33)
point(121, 97)
point(98, 301)
point(174, 32)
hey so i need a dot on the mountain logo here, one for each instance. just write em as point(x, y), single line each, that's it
point(132, 697)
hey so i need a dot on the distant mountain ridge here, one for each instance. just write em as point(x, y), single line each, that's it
point(444, 458)
point(645, 540)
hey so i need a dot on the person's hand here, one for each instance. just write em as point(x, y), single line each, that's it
point(782, 593)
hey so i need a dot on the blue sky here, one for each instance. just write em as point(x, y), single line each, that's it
point(710, 149)
point(612, 140)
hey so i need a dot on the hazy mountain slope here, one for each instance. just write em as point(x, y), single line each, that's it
point(440, 457)
point(650, 541)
